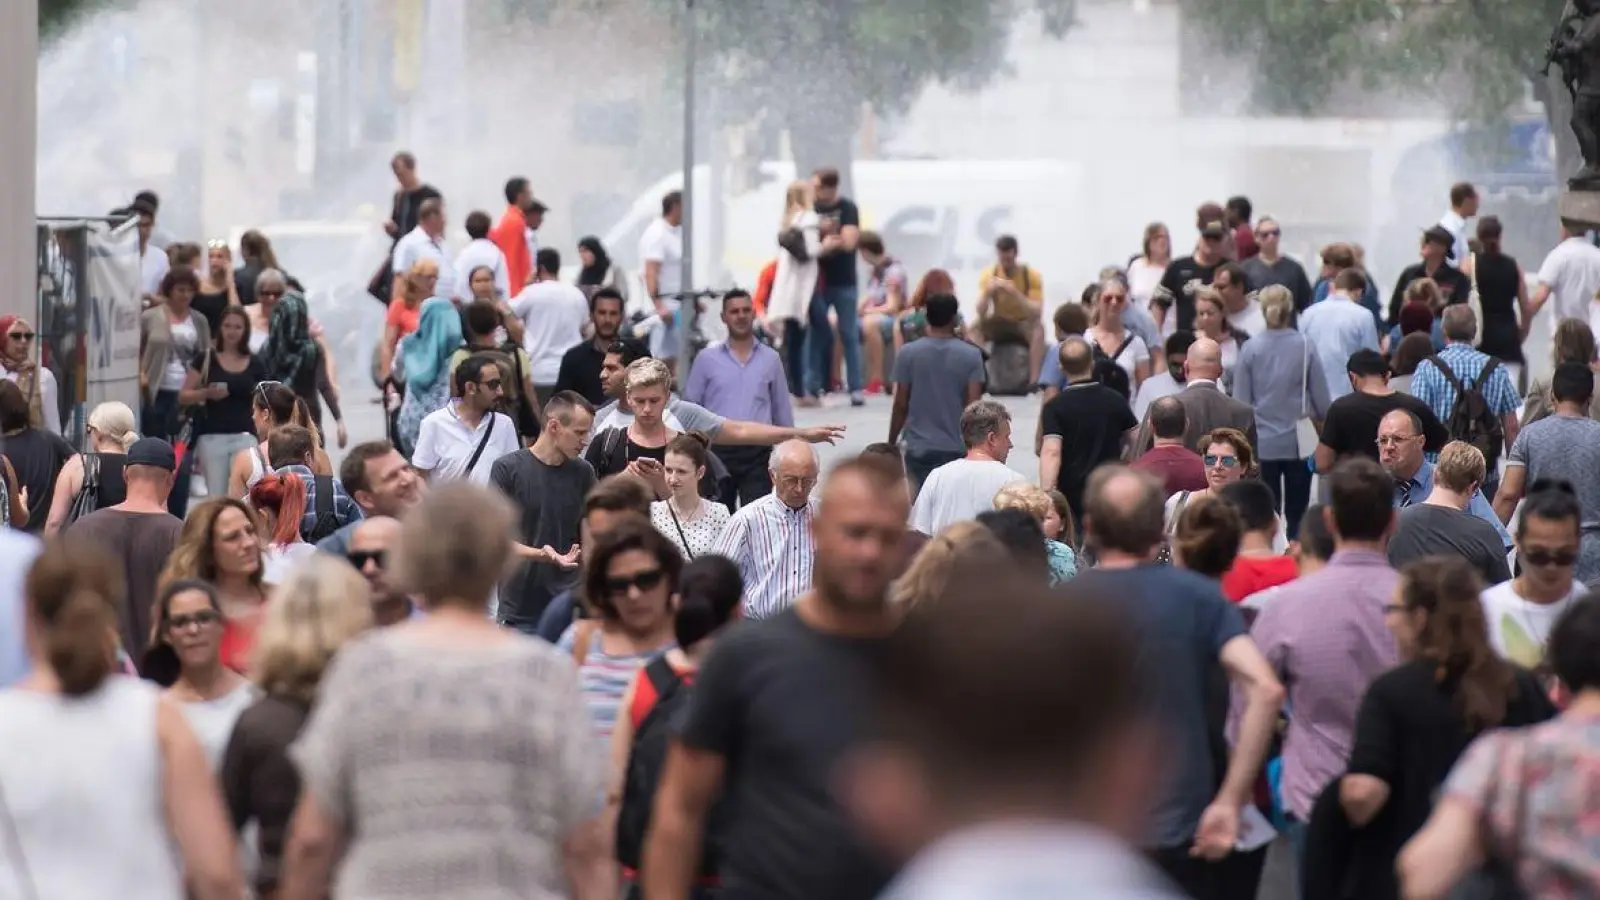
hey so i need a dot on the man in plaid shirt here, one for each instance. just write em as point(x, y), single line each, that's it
point(1432, 387)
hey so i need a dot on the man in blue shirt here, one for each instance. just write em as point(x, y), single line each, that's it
point(1400, 440)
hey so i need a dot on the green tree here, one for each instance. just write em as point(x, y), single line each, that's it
point(56, 15)
point(1478, 55)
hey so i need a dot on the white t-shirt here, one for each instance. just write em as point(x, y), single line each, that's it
point(278, 562)
point(1572, 272)
point(1250, 319)
point(445, 445)
point(418, 244)
point(958, 491)
point(1130, 357)
point(153, 266)
point(1143, 279)
point(1518, 629)
point(1161, 384)
point(481, 252)
point(1456, 224)
point(553, 314)
point(663, 243)
point(185, 346)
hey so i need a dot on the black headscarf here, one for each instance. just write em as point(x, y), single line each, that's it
point(595, 274)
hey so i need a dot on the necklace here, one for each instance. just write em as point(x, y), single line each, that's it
point(683, 515)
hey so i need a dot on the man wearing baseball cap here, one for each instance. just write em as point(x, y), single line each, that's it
point(1437, 252)
point(1187, 274)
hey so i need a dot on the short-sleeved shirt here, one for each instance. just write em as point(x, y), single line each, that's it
point(1133, 350)
point(403, 317)
point(886, 275)
point(1429, 530)
point(550, 502)
point(1089, 419)
point(1184, 278)
point(785, 705)
point(937, 370)
point(141, 542)
point(1430, 386)
point(839, 269)
point(445, 445)
point(1572, 272)
point(1567, 448)
point(1182, 621)
point(663, 243)
point(1351, 428)
point(1027, 280)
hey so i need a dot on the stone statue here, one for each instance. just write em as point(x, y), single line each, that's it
point(1575, 48)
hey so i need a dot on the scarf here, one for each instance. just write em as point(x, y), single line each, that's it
point(595, 274)
point(428, 349)
point(289, 353)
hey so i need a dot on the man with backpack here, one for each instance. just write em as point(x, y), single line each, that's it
point(328, 507)
point(1011, 304)
point(1470, 392)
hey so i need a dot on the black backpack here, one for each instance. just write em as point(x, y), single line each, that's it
point(327, 520)
point(1108, 372)
point(1471, 420)
point(647, 759)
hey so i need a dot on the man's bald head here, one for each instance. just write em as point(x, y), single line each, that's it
point(1123, 510)
point(1077, 358)
point(1204, 360)
point(376, 533)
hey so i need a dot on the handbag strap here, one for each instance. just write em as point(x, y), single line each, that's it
point(679, 526)
point(1305, 377)
point(482, 443)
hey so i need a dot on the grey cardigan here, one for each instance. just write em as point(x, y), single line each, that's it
point(155, 345)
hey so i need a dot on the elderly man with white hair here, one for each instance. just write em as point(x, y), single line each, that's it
point(771, 539)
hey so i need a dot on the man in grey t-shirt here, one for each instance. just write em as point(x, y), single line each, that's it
point(935, 378)
point(1564, 446)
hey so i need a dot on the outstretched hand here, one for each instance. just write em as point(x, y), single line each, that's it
point(822, 434)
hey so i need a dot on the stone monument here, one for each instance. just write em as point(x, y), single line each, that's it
point(1575, 48)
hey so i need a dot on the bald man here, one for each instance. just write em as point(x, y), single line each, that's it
point(372, 545)
point(1205, 406)
point(771, 539)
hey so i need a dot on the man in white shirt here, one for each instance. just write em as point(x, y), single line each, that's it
point(957, 491)
point(1571, 276)
point(553, 314)
point(426, 241)
point(153, 261)
point(772, 539)
point(462, 440)
point(1244, 311)
point(661, 251)
point(480, 252)
point(1463, 206)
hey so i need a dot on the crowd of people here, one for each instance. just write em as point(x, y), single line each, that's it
point(573, 628)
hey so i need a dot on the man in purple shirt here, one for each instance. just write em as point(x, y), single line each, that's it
point(1324, 635)
point(742, 379)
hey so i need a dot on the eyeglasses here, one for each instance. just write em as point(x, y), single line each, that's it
point(21, 335)
point(360, 558)
point(1227, 462)
point(644, 581)
point(1541, 557)
point(1396, 440)
point(796, 481)
point(195, 620)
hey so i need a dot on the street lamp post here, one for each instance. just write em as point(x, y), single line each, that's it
point(689, 308)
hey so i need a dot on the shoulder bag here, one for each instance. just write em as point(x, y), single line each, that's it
point(689, 552)
point(88, 498)
point(482, 443)
point(1305, 430)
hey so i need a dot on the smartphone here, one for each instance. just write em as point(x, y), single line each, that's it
point(221, 384)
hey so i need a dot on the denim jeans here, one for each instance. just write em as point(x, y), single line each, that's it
point(1290, 481)
point(794, 356)
point(842, 300)
point(216, 458)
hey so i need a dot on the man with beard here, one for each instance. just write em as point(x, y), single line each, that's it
point(778, 707)
point(583, 361)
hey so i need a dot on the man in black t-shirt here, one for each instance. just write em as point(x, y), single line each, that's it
point(778, 706)
point(1085, 425)
point(1437, 254)
point(1351, 427)
point(841, 228)
point(1186, 275)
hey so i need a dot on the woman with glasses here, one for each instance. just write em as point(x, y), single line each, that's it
point(256, 251)
point(219, 384)
point(109, 434)
point(171, 336)
point(323, 604)
point(104, 788)
point(18, 343)
point(689, 521)
point(218, 289)
point(220, 546)
point(280, 501)
point(628, 586)
point(187, 659)
point(1416, 719)
point(1522, 612)
point(1228, 458)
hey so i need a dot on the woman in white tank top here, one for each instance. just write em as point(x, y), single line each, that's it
point(104, 790)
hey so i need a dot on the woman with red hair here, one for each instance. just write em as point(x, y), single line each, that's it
point(914, 319)
point(279, 500)
point(38, 384)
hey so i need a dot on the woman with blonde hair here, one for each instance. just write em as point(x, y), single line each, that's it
point(1211, 321)
point(1573, 342)
point(1146, 269)
point(959, 548)
point(319, 606)
point(97, 473)
point(789, 305)
point(1116, 341)
point(1036, 502)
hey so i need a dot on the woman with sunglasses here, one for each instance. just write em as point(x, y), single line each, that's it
point(1523, 611)
point(104, 789)
point(1228, 458)
point(1113, 338)
point(219, 384)
point(628, 588)
point(323, 604)
point(220, 546)
point(187, 659)
point(18, 366)
point(280, 501)
point(256, 251)
point(1417, 719)
point(218, 289)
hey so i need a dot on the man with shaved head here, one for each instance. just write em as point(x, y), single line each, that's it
point(1205, 406)
point(1085, 425)
point(1185, 627)
point(771, 539)
point(780, 704)
point(373, 544)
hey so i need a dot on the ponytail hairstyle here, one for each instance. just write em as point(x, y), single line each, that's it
point(277, 399)
point(115, 422)
point(302, 417)
point(709, 590)
point(693, 445)
point(284, 495)
point(73, 590)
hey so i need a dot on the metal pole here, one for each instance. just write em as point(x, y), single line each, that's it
point(19, 236)
point(689, 317)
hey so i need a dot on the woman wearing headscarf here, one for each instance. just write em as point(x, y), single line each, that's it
point(18, 366)
point(599, 270)
point(425, 356)
point(295, 358)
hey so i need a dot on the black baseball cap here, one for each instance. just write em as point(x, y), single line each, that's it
point(1438, 235)
point(152, 452)
point(1367, 363)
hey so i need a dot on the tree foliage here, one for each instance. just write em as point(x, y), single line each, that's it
point(56, 15)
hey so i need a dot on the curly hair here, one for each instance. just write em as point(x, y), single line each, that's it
point(1236, 439)
point(194, 556)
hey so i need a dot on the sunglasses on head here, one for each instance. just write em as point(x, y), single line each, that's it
point(1227, 462)
point(198, 619)
point(1542, 557)
point(263, 386)
point(216, 244)
point(644, 581)
point(360, 558)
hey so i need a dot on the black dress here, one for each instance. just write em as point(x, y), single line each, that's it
point(1499, 280)
point(211, 306)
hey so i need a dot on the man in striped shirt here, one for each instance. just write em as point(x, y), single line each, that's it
point(771, 539)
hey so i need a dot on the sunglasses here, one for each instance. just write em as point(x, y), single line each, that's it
point(21, 335)
point(216, 244)
point(644, 581)
point(1266, 234)
point(270, 292)
point(492, 384)
point(360, 558)
point(1227, 462)
point(1538, 557)
point(197, 620)
point(263, 386)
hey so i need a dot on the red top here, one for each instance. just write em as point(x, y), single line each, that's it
point(510, 234)
point(238, 641)
point(764, 282)
point(644, 694)
point(1244, 242)
point(1179, 468)
point(1257, 573)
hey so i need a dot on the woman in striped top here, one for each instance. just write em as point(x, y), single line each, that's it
point(628, 586)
